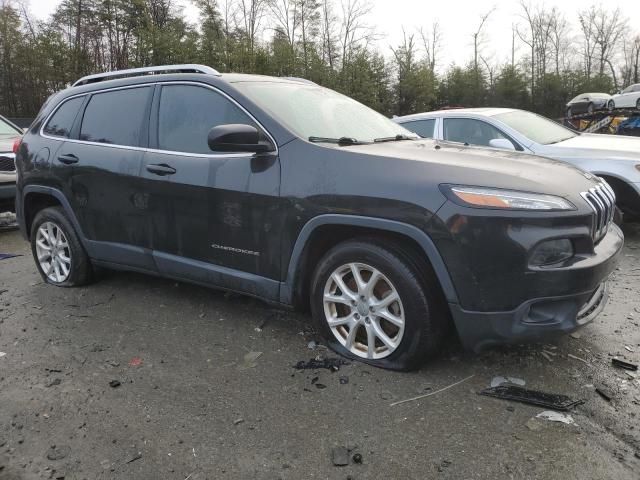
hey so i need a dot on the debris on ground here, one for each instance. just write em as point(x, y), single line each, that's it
point(54, 382)
point(332, 364)
point(344, 380)
point(616, 362)
point(546, 355)
point(340, 456)
point(532, 397)
point(312, 345)
point(250, 360)
point(2, 354)
point(628, 348)
point(135, 362)
point(533, 425)
point(114, 383)
point(58, 452)
point(432, 393)
point(556, 417)
point(132, 458)
point(575, 335)
point(6, 256)
point(577, 358)
point(496, 381)
point(238, 421)
point(604, 393)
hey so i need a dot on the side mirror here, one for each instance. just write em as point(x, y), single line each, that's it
point(237, 138)
point(502, 143)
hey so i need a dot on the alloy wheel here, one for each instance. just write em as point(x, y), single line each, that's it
point(364, 311)
point(53, 251)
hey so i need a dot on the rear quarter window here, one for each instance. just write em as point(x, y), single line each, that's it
point(61, 122)
point(424, 128)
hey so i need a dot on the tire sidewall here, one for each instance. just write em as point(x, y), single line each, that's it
point(79, 270)
point(415, 304)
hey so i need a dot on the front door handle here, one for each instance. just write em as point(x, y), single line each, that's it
point(68, 159)
point(161, 169)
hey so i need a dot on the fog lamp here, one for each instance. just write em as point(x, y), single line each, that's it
point(552, 251)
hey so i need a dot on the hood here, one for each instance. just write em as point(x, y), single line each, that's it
point(591, 145)
point(451, 163)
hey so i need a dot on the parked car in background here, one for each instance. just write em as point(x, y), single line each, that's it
point(589, 103)
point(628, 98)
point(612, 157)
point(281, 189)
point(9, 133)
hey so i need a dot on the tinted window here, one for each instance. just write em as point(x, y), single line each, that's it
point(534, 127)
point(115, 117)
point(188, 112)
point(59, 125)
point(424, 128)
point(473, 132)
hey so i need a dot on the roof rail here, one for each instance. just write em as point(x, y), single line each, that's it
point(135, 72)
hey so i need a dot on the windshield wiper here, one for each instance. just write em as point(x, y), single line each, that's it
point(397, 138)
point(342, 141)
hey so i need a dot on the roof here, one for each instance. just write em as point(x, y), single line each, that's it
point(459, 112)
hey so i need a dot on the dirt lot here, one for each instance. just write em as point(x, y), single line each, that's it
point(197, 401)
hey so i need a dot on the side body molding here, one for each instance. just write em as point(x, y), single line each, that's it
point(420, 237)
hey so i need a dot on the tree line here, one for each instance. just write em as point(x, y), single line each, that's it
point(331, 42)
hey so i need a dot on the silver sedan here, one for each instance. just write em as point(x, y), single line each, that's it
point(615, 158)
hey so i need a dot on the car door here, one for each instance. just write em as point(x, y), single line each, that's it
point(470, 131)
point(213, 212)
point(103, 159)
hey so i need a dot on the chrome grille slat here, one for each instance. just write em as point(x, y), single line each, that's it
point(7, 162)
point(602, 201)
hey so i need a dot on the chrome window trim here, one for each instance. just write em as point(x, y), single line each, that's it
point(155, 150)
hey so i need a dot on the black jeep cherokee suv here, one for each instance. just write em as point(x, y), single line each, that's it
point(293, 193)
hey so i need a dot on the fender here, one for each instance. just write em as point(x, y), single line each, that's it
point(427, 245)
point(58, 195)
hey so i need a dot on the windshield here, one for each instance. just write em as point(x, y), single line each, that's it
point(535, 127)
point(6, 129)
point(315, 112)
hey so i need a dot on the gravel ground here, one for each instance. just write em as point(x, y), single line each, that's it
point(207, 390)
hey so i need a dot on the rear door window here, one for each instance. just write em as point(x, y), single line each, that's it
point(188, 112)
point(116, 117)
point(60, 124)
point(424, 128)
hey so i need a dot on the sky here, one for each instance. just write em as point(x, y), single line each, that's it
point(458, 20)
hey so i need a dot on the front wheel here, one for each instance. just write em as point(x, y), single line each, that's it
point(57, 251)
point(373, 304)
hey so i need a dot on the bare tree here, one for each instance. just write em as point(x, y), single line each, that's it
point(478, 40)
point(355, 28)
point(431, 42)
point(286, 15)
point(252, 13)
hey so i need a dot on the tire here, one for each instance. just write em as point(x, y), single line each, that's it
point(611, 106)
point(638, 104)
point(52, 231)
point(590, 108)
point(420, 305)
point(569, 112)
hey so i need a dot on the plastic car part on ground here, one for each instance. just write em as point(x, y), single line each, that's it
point(533, 397)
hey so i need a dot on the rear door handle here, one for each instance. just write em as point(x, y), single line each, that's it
point(161, 169)
point(68, 159)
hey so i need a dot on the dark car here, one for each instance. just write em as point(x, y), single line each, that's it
point(9, 134)
point(589, 103)
point(293, 193)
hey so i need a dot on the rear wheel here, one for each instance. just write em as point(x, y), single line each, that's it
point(57, 251)
point(611, 106)
point(371, 303)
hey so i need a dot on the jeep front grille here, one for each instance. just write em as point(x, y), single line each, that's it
point(7, 162)
point(602, 201)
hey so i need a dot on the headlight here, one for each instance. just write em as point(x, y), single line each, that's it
point(507, 199)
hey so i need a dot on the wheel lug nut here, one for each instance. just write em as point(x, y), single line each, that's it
point(356, 316)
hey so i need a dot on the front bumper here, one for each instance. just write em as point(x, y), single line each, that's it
point(539, 317)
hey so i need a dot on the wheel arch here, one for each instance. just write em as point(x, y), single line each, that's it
point(625, 193)
point(38, 197)
point(325, 231)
